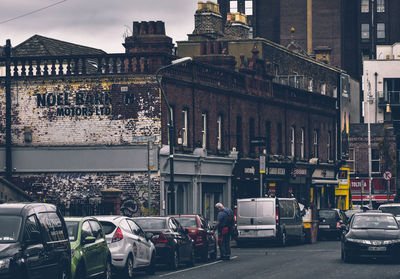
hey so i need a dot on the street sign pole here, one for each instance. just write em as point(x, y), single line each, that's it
point(262, 171)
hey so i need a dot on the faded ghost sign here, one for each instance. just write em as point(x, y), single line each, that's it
point(122, 101)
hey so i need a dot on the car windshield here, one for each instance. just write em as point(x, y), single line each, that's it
point(187, 222)
point(72, 227)
point(151, 223)
point(10, 228)
point(374, 222)
point(395, 210)
point(327, 214)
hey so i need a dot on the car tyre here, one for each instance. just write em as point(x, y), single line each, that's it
point(174, 262)
point(129, 272)
point(346, 257)
point(213, 255)
point(151, 268)
point(303, 237)
point(108, 269)
point(192, 260)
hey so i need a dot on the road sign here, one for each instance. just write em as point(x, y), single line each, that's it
point(387, 175)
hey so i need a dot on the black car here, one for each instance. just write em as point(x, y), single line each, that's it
point(33, 242)
point(330, 221)
point(371, 234)
point(172, 242)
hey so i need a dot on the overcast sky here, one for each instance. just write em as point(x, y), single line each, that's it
point(95, 23)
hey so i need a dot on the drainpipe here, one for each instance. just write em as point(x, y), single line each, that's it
point(8, 111)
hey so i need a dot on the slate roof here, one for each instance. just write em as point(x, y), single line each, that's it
point(42, 46)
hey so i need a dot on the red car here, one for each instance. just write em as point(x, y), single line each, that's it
point(202, 234)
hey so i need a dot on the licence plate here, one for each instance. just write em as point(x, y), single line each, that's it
point(265, 233)
point(376, 248)
point(324, 226)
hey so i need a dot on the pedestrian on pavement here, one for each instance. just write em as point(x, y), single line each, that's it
point(224, 225)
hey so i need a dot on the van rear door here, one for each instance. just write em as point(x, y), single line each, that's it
point(266, 218)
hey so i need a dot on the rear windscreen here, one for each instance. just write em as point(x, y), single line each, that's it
point(187, 222)
point(151, 223)
point(265, 208)
point(328, 214)
point(107, 226)
point(247, 208)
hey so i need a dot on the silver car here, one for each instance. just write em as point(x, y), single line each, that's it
point(131, 248)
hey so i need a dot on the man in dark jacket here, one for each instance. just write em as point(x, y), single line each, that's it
point(224, 225)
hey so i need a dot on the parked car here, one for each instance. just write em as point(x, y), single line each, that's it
point(279, 219)
point(90, 254)
point(330, 220)
point(371, 234)
point(393, 208)
point(172, 241)
point(205, 240)
point(131, 248)
point(33, 242)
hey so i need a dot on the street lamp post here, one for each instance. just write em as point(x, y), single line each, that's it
point(170, 129)
point(369, 100)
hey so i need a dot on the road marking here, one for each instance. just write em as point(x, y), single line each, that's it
point(195, 267)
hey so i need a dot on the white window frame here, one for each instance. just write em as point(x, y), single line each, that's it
point(248, 7)
point(375, 160)
point(365, 33)
point(328, 146)
point(233, 6)
point(219, 132)
point(184, 131)
point(310, 85)
point(204, 130)
point(323, 89)
point(315, 144)
point(302, 142)
point(292, 141)
point(351, 161)
point(364, 6)
point(380, 32)
point(380, 6)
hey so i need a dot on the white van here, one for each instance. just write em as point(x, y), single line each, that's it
point(277, 219)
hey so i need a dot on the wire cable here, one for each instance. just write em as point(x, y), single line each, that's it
point(32, 12)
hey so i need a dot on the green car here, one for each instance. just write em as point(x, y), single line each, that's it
point(90, 254)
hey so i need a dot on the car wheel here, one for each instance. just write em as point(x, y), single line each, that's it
point(151, 268)
point(346, 257)
point(174, 263)
point(303, 237)
point(192, 260)
point(129, 267)
point(108, 271)
point(213, 255)
point(283, 239)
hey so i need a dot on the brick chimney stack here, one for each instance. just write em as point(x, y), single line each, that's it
point(208, 22)
point(236, 26)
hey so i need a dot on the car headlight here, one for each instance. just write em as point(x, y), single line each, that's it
point(392, 241)
point(5, 263)
point(362, 241)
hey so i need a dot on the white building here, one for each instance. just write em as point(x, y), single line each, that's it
point(381, 79)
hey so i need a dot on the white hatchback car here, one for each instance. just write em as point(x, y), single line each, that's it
point(130, 247)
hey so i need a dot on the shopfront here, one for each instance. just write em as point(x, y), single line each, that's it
point(323, 186)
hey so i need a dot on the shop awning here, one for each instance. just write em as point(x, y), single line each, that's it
point(325, 181)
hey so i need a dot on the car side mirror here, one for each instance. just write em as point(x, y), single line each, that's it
point(149, 236)
point(89, 239)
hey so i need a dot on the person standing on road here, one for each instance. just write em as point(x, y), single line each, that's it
point(224, 225)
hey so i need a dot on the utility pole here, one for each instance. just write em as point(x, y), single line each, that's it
point(8, 111)
point(369, 99)
point(149, 168)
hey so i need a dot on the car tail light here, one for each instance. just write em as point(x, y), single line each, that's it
point(199, 237)
point(117, 235)
point(161, 238)
point(338, 225)
point(235, 215)
point(277, 215)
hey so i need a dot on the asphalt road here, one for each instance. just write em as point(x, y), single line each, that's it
point(319, 260)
